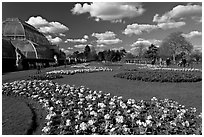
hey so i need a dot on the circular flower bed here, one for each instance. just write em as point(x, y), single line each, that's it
point(88, 70)
point(80, 110)
point(46, 76)
point(159, 76)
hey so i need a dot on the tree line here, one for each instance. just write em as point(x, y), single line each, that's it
point(174, 47)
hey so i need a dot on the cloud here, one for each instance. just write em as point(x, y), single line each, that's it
point(86, 37)
point(83, 40)
point(55, 40)
point(106, 38)
point(100, 45)
point(146, 43)
point(82, 45)
point(62, 35)
point(120, 48)
point(178, 12)
point(69, 48)
point(109, 41)
point(192, 34)
point(138, 29)
point(76, 40)
point(109, 11)
point(170, 25)
point(66, 51)
point(103, 36)
point(47, 27)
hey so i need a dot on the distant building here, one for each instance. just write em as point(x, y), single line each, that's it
point(18, 37)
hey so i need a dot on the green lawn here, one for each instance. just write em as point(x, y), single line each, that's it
point(188, 94)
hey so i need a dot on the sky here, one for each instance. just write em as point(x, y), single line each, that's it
point(109, 25)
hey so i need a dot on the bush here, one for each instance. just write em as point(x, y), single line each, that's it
point(160, 76)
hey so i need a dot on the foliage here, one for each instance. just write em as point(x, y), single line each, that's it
point(173, 44)
point(160, 76)
point(78, 111)
point(197, 55)
point(152, 52)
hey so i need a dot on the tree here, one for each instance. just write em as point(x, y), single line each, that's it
point(173, 45)
point(101, 56)
point(140, 50)
point(87, 52)
point(152, 52)
point(197, 55)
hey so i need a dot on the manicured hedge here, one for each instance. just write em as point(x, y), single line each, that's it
point(160, 76)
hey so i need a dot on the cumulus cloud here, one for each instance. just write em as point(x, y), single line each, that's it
point(100, 45)
point(62, 35)
point(120, 48)
point(109, 11)
point(109, 41)
point(76, 40)
point(86, 37)
point(192, 34)
point(146, 43)
point(170, 25)
point(69, 48)
point(55, 40)
point(47, 27)
point(106, 38)
point(178, 12)
point(82, 45)
point(139, 29)
point(83, 40)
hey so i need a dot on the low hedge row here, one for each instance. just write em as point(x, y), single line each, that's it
point(160, 76)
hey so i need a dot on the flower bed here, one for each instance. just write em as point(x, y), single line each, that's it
point(83, 65)
point(88, 70)
point(80, 110)
point(46, 76)
point(157, 67)
point(159, 76)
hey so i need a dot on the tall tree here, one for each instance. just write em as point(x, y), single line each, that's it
point(152, 52)
point(87, 52)
point(174, 44)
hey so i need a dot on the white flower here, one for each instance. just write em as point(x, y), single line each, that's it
point(83, 126)
point(119, 119)
point(149, 117)
point(46, 129)
point(93, 113)
point(90, 122)
point(148, 121)
point(102, 105)
point(68, 122)
point(107, 116)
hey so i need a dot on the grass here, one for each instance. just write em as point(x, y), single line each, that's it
point(188, 94)
point(16, 116)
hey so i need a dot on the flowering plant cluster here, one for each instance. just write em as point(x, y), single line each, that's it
point(83, 65)
point(87, 70)
point(46, 76)
point(157, 67)
point(77, 111)
point(159, 76)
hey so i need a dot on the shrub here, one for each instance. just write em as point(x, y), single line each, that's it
point(160, 76)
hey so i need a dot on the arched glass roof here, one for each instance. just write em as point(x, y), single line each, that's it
point(26, 47)
point(13, 28)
